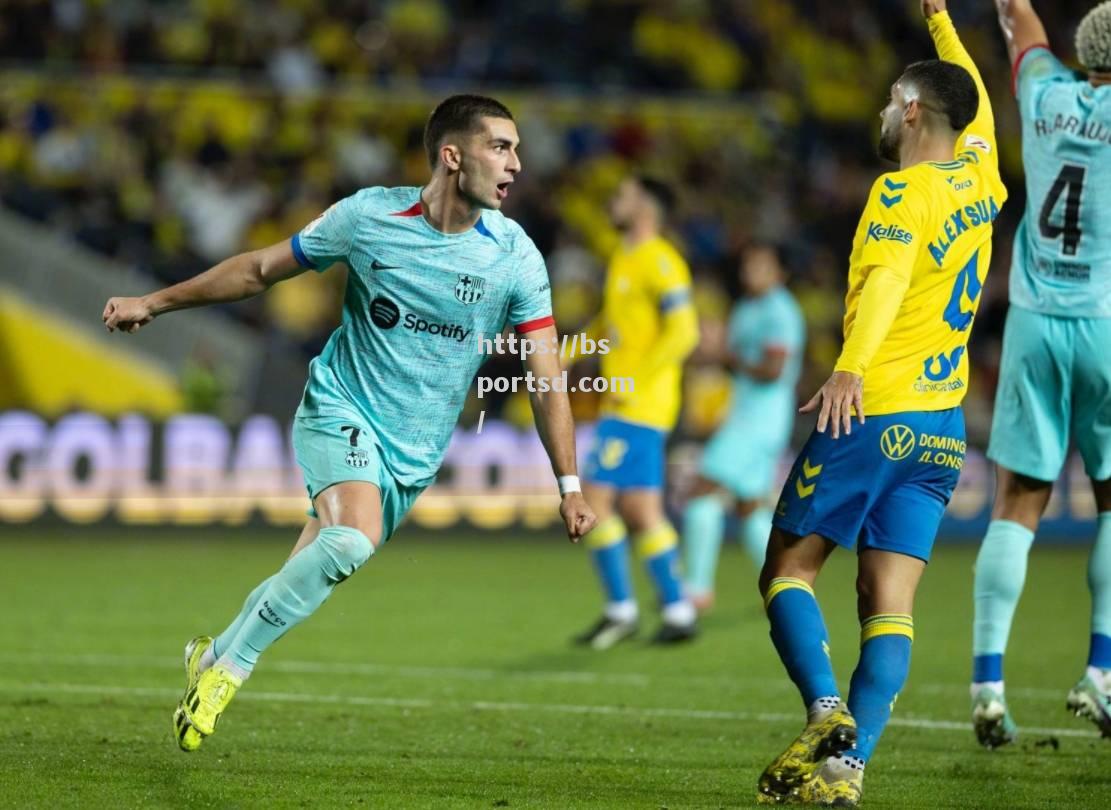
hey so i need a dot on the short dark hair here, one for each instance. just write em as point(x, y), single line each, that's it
point(660, 192)
point(777, 249)
point(459, 113)
point(946, 87)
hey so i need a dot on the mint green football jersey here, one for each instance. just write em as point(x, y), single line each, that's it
point(417, 303)
point(1062, 249)
point(773, 320)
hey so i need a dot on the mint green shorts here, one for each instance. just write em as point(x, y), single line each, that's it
point(1054, 383)
point(333, 449)
point(744, 458)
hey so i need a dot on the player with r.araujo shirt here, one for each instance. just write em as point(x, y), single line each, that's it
point(1054, 376)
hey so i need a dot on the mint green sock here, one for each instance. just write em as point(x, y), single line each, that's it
point(755, 530)
point(221, 642)
point(1000, 575)
point(703, 527)
point(1099, 577)
point(293, 594)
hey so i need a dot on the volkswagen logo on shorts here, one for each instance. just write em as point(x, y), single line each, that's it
point(897, 442)
point(384, 313)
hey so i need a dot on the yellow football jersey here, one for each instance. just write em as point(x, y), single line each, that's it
point(648, 318)
point(929, 227)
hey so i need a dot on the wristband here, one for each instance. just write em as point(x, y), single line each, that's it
point(569, 483)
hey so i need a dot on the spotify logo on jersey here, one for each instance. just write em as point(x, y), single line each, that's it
point(384, 313)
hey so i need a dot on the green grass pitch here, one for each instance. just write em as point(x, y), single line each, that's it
point(441, 676)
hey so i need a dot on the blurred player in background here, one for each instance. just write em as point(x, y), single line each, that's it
point(1055, 375)
point(650, 321)
point(766, 337)
point(438, 255)
point(918, 262)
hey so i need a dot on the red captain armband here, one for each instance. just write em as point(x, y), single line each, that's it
point(533, 325)
point(1018, 64)
point(414, 210)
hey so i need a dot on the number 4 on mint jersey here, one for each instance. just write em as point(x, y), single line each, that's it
point(1062, 249)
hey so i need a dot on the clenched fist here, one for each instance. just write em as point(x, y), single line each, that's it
point(127, 314)
point(577, 516)
point(932, 7)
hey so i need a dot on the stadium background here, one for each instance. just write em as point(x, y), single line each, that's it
point(142, 141)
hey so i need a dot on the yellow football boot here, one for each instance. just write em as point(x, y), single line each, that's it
point(204, 704)
point(188, 738)
point(832, 786)
point(830, 734)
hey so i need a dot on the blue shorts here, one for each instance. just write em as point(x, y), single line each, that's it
point(626, 456)
point(884, 486)
point(333, 449)
point(1054, 381)
point(743, 458)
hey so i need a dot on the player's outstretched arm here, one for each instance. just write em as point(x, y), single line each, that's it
point(1022, 28)
point(951, 49)
point(948, 44)
point(233, 279)
point(552, 411)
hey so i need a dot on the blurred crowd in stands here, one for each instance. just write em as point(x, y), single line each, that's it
point(171, 135)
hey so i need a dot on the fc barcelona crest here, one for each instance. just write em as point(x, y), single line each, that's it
point(469, 288)
point(357, 458)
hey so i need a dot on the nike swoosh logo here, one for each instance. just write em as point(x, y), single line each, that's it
point(262, 616)
point(377, 265)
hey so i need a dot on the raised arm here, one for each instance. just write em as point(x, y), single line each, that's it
point(951, 49)
point(233, 279)
point(1022, 28)
point(552, 411)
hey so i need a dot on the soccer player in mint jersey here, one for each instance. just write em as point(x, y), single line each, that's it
point(767, 334)
point(1055, 375)
point(917, 267)
point(430, 269)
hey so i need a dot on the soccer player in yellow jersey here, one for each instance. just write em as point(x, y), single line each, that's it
point(649, 320)
point(917, 267)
